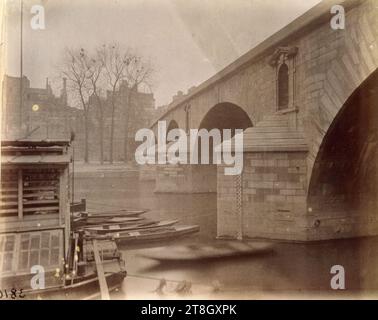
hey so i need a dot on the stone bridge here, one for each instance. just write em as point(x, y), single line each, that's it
point(307, 99)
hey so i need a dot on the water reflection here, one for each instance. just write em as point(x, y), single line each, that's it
point(293, 268)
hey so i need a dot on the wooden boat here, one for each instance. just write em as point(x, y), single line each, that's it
point(115, 213)
point(222, 249)
point(36, 228)
point(108, 229)
point(122, 220)
point(114, 221)
point(84, 283)
point(153, 234)
point(85, 289)
point(82, 223)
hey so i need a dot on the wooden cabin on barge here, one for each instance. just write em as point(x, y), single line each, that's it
point(35, 225)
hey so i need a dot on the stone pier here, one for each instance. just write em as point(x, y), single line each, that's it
point(268, 200)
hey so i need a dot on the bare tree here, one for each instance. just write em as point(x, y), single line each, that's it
point(115, 64)
point(139, 71)
point(75, 69)
point(95, 78)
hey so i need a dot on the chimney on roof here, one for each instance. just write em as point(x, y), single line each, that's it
point(178, 95)
point(48, 87)
point(63, 92)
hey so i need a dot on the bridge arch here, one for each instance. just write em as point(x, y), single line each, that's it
point(223, 115)
point(226, 115)
point(344, 176)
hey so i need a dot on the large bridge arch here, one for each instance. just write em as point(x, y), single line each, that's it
point(344, 177)
point(338, 78)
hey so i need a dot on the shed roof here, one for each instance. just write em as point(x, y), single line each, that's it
point(36, 159)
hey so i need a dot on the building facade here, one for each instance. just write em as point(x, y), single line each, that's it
point(40, 114)
point(133, 110)
point(43, 115)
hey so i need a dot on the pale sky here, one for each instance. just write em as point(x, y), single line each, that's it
point(186, 40)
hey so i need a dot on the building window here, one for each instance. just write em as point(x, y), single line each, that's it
point(19, 252)
point(283, 87)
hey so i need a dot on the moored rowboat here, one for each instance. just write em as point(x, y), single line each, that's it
point(222, 249)
point(106, 229)
point(115, 213)
point(154, 234)
point(113, 220)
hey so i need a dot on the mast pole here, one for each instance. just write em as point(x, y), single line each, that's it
point(21, 62)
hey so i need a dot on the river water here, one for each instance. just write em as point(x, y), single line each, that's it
point(291, 270)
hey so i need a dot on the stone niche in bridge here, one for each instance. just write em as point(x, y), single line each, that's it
point(268, 200)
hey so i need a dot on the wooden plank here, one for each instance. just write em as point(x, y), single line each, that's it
point(100, 273)
point(8, 189)
point(27, 144)
point(41, 209)
point(38, 194)
point(20, 199)
point(45, 188)
point(28, 195)
point(15, 210)
point(46, 182)
point(13, 150)
point(41, 201)
point(8, 203)
point(10, 196)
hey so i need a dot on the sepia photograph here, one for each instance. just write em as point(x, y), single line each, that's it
point(179, 150)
